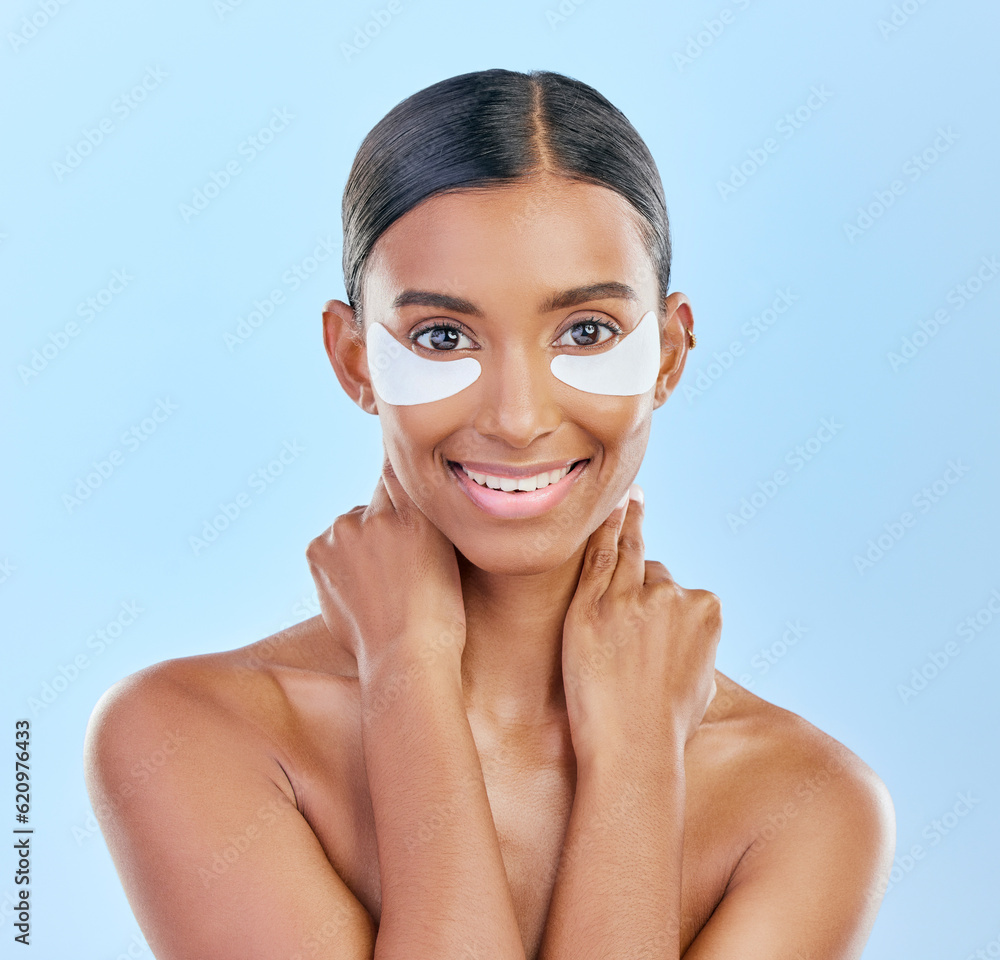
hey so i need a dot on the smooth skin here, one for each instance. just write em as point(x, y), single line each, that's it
point(500, 738)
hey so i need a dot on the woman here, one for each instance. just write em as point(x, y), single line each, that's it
point(505, 736)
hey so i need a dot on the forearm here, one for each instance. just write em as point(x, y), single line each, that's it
point(617, 890)
point(444, 886)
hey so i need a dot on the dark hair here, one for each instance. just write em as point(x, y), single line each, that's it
point(494, 127)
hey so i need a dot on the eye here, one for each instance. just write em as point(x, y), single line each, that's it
point(589, 329)
point(443, 337)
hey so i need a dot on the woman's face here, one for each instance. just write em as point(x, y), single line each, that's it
point(509, 258)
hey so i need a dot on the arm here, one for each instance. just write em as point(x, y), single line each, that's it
point(214, 856)
point(618, 890)
point(638, 669)
point(444, 886)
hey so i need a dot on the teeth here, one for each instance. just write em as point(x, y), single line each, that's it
point(509, 484)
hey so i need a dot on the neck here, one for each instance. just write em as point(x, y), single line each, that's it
point(512, 661)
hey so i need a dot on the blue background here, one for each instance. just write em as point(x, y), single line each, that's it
point(705, 103)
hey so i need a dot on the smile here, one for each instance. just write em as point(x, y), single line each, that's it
point(511, 484)
point(517, 497)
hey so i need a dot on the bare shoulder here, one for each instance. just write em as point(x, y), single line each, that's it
point(780, 768)
point(188, 772)
point(791, 778)
point(810, 833)
point(234, 699)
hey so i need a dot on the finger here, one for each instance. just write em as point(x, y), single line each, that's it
point(631, 570)
point(656, 572)
point(389, 494)
point(600, 559)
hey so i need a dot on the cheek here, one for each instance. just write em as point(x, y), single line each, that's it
point(410, 438)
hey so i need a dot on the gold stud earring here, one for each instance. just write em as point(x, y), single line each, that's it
point(692, 339)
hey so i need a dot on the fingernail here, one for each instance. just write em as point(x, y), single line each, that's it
point(623, 501)
point(635, 492)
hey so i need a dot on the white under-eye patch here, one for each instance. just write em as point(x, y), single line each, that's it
point(402, 377)
point(628, 368)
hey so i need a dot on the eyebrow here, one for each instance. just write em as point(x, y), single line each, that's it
point(609, 290)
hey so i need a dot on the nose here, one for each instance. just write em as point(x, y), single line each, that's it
point(517, 397)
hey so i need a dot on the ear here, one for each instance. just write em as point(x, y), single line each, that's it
point(674, 345)
point(347, 353)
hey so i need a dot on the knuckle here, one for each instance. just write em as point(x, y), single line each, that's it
point(709, 605)
point(592, 614)
point(657, 572)
point(666, 590)
point(630, 543)
point(314, 548)
point(709, 600)
point(603, 558)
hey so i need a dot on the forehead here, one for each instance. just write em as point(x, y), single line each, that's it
point(513, 243)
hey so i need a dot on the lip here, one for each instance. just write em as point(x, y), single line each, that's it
point(513, 506)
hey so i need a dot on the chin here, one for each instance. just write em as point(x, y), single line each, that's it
point(527, 554)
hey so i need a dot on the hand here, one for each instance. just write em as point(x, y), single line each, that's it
point(388, 581)
point(638, 653)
